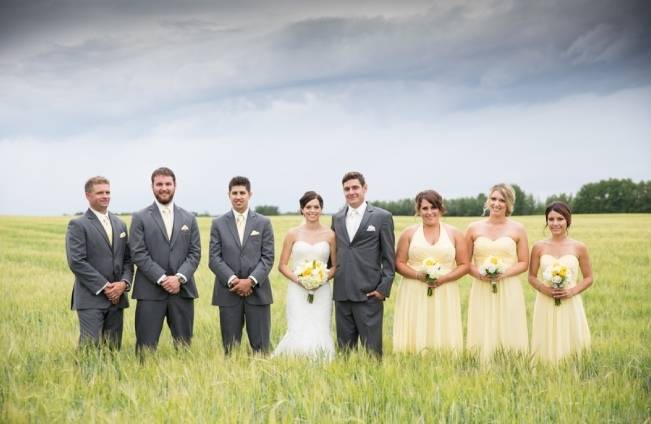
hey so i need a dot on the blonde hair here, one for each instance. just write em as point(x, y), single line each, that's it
point(507, 192)
point(94, 181)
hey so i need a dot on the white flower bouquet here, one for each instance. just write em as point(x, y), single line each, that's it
point(492, 267)
point(557, 275)
point(311, 274)
point(433, 270)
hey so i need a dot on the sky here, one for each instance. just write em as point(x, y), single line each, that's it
point(451, 95)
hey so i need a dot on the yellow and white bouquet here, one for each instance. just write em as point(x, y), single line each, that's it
point(433, 270)
point(557, 275)
point(311, 274)
point(492, 267)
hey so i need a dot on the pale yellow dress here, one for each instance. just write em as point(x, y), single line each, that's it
point(424, 322)
point(559, 331)
point(496, 320)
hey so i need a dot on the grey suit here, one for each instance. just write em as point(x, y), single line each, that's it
point(94, 263)
point(155, 255)
point(365, 264)
point(253, 257)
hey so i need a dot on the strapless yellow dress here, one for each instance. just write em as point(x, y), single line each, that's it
point(424, 322)
point(559, 330)
point(496, 320)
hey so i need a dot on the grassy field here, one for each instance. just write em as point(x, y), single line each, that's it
point(43, 377)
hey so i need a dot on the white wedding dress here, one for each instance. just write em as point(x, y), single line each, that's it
point(308, 324)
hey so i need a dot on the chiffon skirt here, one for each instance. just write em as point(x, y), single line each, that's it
point(424, 322)
point(558, 331)
point(497, 320)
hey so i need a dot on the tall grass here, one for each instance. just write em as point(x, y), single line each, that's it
point(44, 377)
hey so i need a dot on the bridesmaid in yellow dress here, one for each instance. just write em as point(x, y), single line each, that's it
point(425, 321)
point(497, 320)
point(559, 330)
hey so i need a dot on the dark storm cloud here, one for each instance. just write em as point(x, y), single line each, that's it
point(81, 64)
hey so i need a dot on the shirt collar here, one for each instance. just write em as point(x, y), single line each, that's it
point(170, 205)
point(245, 213)
point(360, 209)
point(100, 215)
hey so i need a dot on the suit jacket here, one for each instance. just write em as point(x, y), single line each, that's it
point(254, 257)
point(94, 261)
point(155, 255)
point(367, 262)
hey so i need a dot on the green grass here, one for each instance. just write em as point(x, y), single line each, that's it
point(44, 377)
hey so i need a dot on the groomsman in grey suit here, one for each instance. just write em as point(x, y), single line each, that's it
point(241, 256)
point(166, 248)
point(365, 267)
point(98, 255)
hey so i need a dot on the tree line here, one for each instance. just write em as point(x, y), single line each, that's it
point(605, 196)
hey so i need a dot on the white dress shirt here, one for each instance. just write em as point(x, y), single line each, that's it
point(354, 218)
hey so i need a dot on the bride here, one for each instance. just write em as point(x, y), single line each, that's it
point(308, 317)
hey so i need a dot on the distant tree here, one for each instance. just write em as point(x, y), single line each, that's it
point(465, 206)
point(525, 204)
point(402, 207)
point(607, 196)
point(643, 197)
point(267, 210)
point(567, 198)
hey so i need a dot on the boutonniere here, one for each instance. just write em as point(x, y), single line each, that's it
point(255, 233)
point(370, 228)
point(184, 228)
point(123, 234)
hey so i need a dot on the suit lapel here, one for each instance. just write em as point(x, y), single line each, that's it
point(176, 225)
point(158, 219)
point(248, 227)
point(98, 225)
point(340, 224)
point(114, 228)
point(364, 221)
point(233, 227)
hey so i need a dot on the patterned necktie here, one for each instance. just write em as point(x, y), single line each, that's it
point(106, 223)
point(167, 220)
point(240, 227)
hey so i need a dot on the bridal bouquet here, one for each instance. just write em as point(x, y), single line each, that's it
point(433, 270)
point(492, 267)
point(557, 275)
point(311, 275)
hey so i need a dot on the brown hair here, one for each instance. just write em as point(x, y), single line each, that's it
point(308, 197)
point(166, 172)
point(94, 181)
point(239, 181)
point(430, 196)
point(509, 196)
point(352, 175)
point(561, 208)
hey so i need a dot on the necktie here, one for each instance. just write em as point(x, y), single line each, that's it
point(240, 227)
point(167, 220)
point(106, 223)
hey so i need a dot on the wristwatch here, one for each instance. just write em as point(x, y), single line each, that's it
point(182, 279)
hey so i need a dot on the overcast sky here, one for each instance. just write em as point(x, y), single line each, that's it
point(450, 95)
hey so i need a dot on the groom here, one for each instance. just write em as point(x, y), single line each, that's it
point(241, 256)
point(365, 267)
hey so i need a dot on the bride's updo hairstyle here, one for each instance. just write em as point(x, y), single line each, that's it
point(561, 208)
point(507, 192)
point(432, 197)
point(308, 197)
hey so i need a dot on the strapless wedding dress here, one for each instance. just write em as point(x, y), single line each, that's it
point(308, 324)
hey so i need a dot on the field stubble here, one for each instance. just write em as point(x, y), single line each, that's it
point(43, 375)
